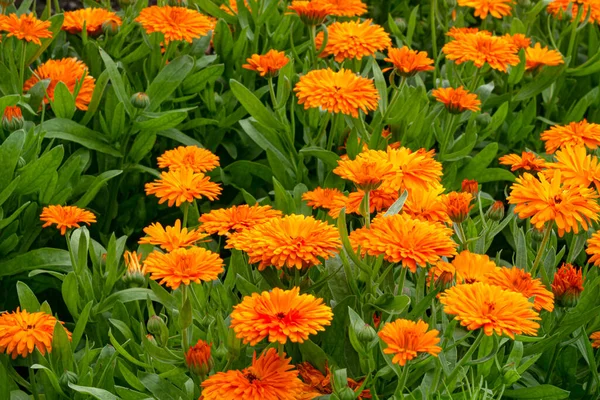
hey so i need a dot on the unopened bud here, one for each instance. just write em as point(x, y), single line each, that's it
point(366, 333)
point(140, 100)
point(110, 27)
point(198, 358)
point(12, 119)
point(537, 234)
point(158, 328)
point(496, 211)
point(66, 378)
point(470, 186)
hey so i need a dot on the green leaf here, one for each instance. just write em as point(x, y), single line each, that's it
point(63, 104)
point(81, 324)
point(61, 347)
point(160, 388)
point(547, 77)
point(7, 221)
point(10, 151)
point(65, 129)
point(546, 392)
point(117, 81)
point(198, 80)
point(168, 80)
point(142, 146)
point(125, 296)
point(96, 393)
point(328, 157)
point(95, 187)
point(161, 121)
point(180, 137)
point(70, 293)
point(27, 298)
point(35, 175)
point(43, 258)
point(9, 100)
point(254, 106)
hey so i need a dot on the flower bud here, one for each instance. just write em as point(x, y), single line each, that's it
point(134, 277)
point(151, 339)
point(12, 119)
point(401, 24)
point(458, 205)
point(470, 186)
point(221, 352)
point(198, 358)
point(158, 328)
point(110, 27)
point(483, 119)
point(366, 333)
point(567, 285)
point(66, 378)
point(496, 211)
point(21, 162)
point(537, 234)
point(140, 100)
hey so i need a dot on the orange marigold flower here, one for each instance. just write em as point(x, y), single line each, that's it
point(558, 8)
point(491, 308)
point(322, 198)
point(279, 315)
point(471, 267)
point(567, 285)
point(311, 12)
point(426, 205)
point(443, 274)
point(518, 40)
point(92, 18)
point(236, 218)
point(408, 62)
point(457, 100)
point(481, 48)
point(198, 358)
point(270, 377)
point(294, 241)
point(574, 134)
point(577, 168)
point(21, 332)
point(405, 339)
point(347, 8)
point(517, 280)
point(183, 266)
point(175, 23)
point(527, 161)
point(595, 339)
point(12, 118)
point(458, 205)
point(455, 32)
point(536, 57)
point(26, 27)
point(316, 384)
point(338, 92)
point(353, 40)
point(402, 239)
point(182, 185)
point(414, 169)
point(593, 249)
point(379, 200)
point(496, 8)
point(365, 171)
point(547, 200)
point(65, 217)
point(194, 157)
point(171, 237)
point(469, 186)
point(12, 112)
point(267, 65)
point(69, 71)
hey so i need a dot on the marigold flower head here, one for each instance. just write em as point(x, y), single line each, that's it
point(316, 384)
point(379, 200)
point(567, 285)
point(595, 339)
point(402, 239)
point(471, 267)
point(481, 48)
point(536, 57)
point(353, 40)
point(65, 217)
point(175, 23)
point(574, 134)
point(198, 358)
point(457, 100)
point(405, 339)
point(426, 204)
point(322, 198)
point(270, 377)
point(21, 332)
point(518, 40)
point(26, 27)
point(182, 185)
point(236, 218)
point(294, 241)
point(183, 266)
point(408, 62)
point(311, 12)
point(12, 112)
point(455, 32)
point(593, 249)
point(194, 157)
point(527, 161)
point(280, 315)
point(469, 186)
point(347, 8)
point(577, 168)
point(337, 92)
point(134, 276)
point(492, 309)
point(458, 205)
point(548, 200)
point(366, 172)
point(559, 8)
point(496, 8)
point(171, 237)
point(92, 18)
point(267, 65)
point(12, 119)
point(69, 71)
point(517, 280)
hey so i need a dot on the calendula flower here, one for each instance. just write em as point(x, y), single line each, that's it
point(567, 285)
point(558, 8)
point(408, 62)
point(366, 172)
point(548, 200)
point(236, 219)
point(457, 100)
point(347, 8)
point(413, 169)
point(481, 48)
point(198, 358)
point(455, 32)
point(92, 18)
point(577, 168)
point(442, 274)
point(294, 241)
point(280, 315)
point(182, 185)
point(267, 65)
point(468, 267)
point(405, 339)
point(458, 205)
point(134, 276)
point(175, 23)
point(322, 198)
point(593, 249)
point(527, 161)
point(183, 266)
point(171, 237)
point(26, 27)
point(574, 134)
point(66, 217)
point(379, 200)
point(470, 186)
point(193, 157)
point(337, 92)
point(517, 280)
point(353, 40)
point(496, 8)
point(70, 71)
point(270, 377)
point(488, 307)
point(538, 56)
point(518, 40)
point(595, 339)
point(402, 239)
point(21, 332)
point(311, 12)
point(12, 119)
point(426, 204)
point(316, 384)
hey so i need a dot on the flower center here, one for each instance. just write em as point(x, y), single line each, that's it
point(251, 377)
point(280, 316)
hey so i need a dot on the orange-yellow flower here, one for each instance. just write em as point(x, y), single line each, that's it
point(182, 185)
point(92, 18)
point(517, 280)
point(496, 8)
point(481, 48)
point(194, 157)
point(457, 100)
point(198, 358)
point(267, 65)
point(577, 168)
point(567, 285)
point(405, 339)
point(183, 266)
point(65, 217)
point(595, 339)
point(316, 384)
point(175, 23)
point(518, 40)
point(558, 8)
point(134, 275)
point(426, 204)
point(574, 134)
point(337, 92)
point(472, 267)
point(470, 186)
point(402, 239)
point(353, 40)
point(455, 32)
point(69, 71)
point(12, 118)
point(366, 172)
point(311, 12)
point(408, 62)
point(379, 200)
point(458, 205)
point(294, 241)
point(171, 237)
point(270, 377)
point(236, 218)
point(492, 309)
point(347, 8)
point(21, 332)
point(548, 200)
point(26, 27)
point(527, 161)
point(280, 315)
point(536, 57)
point(322, 198)
point(593, 249)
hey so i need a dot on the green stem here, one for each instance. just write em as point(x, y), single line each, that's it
point(313, 45)
point(573, 36)
point(22, 71)
point(184, 332)
point(433, 34)
point(186, 208)
point(460, 232)
point(402, 381)
point(541, 250)
point(448, 133)
point(272, 91)
point(280, 350)
point(465, 359)
point(400, 287)
point(365, 208)
point(33, 386)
